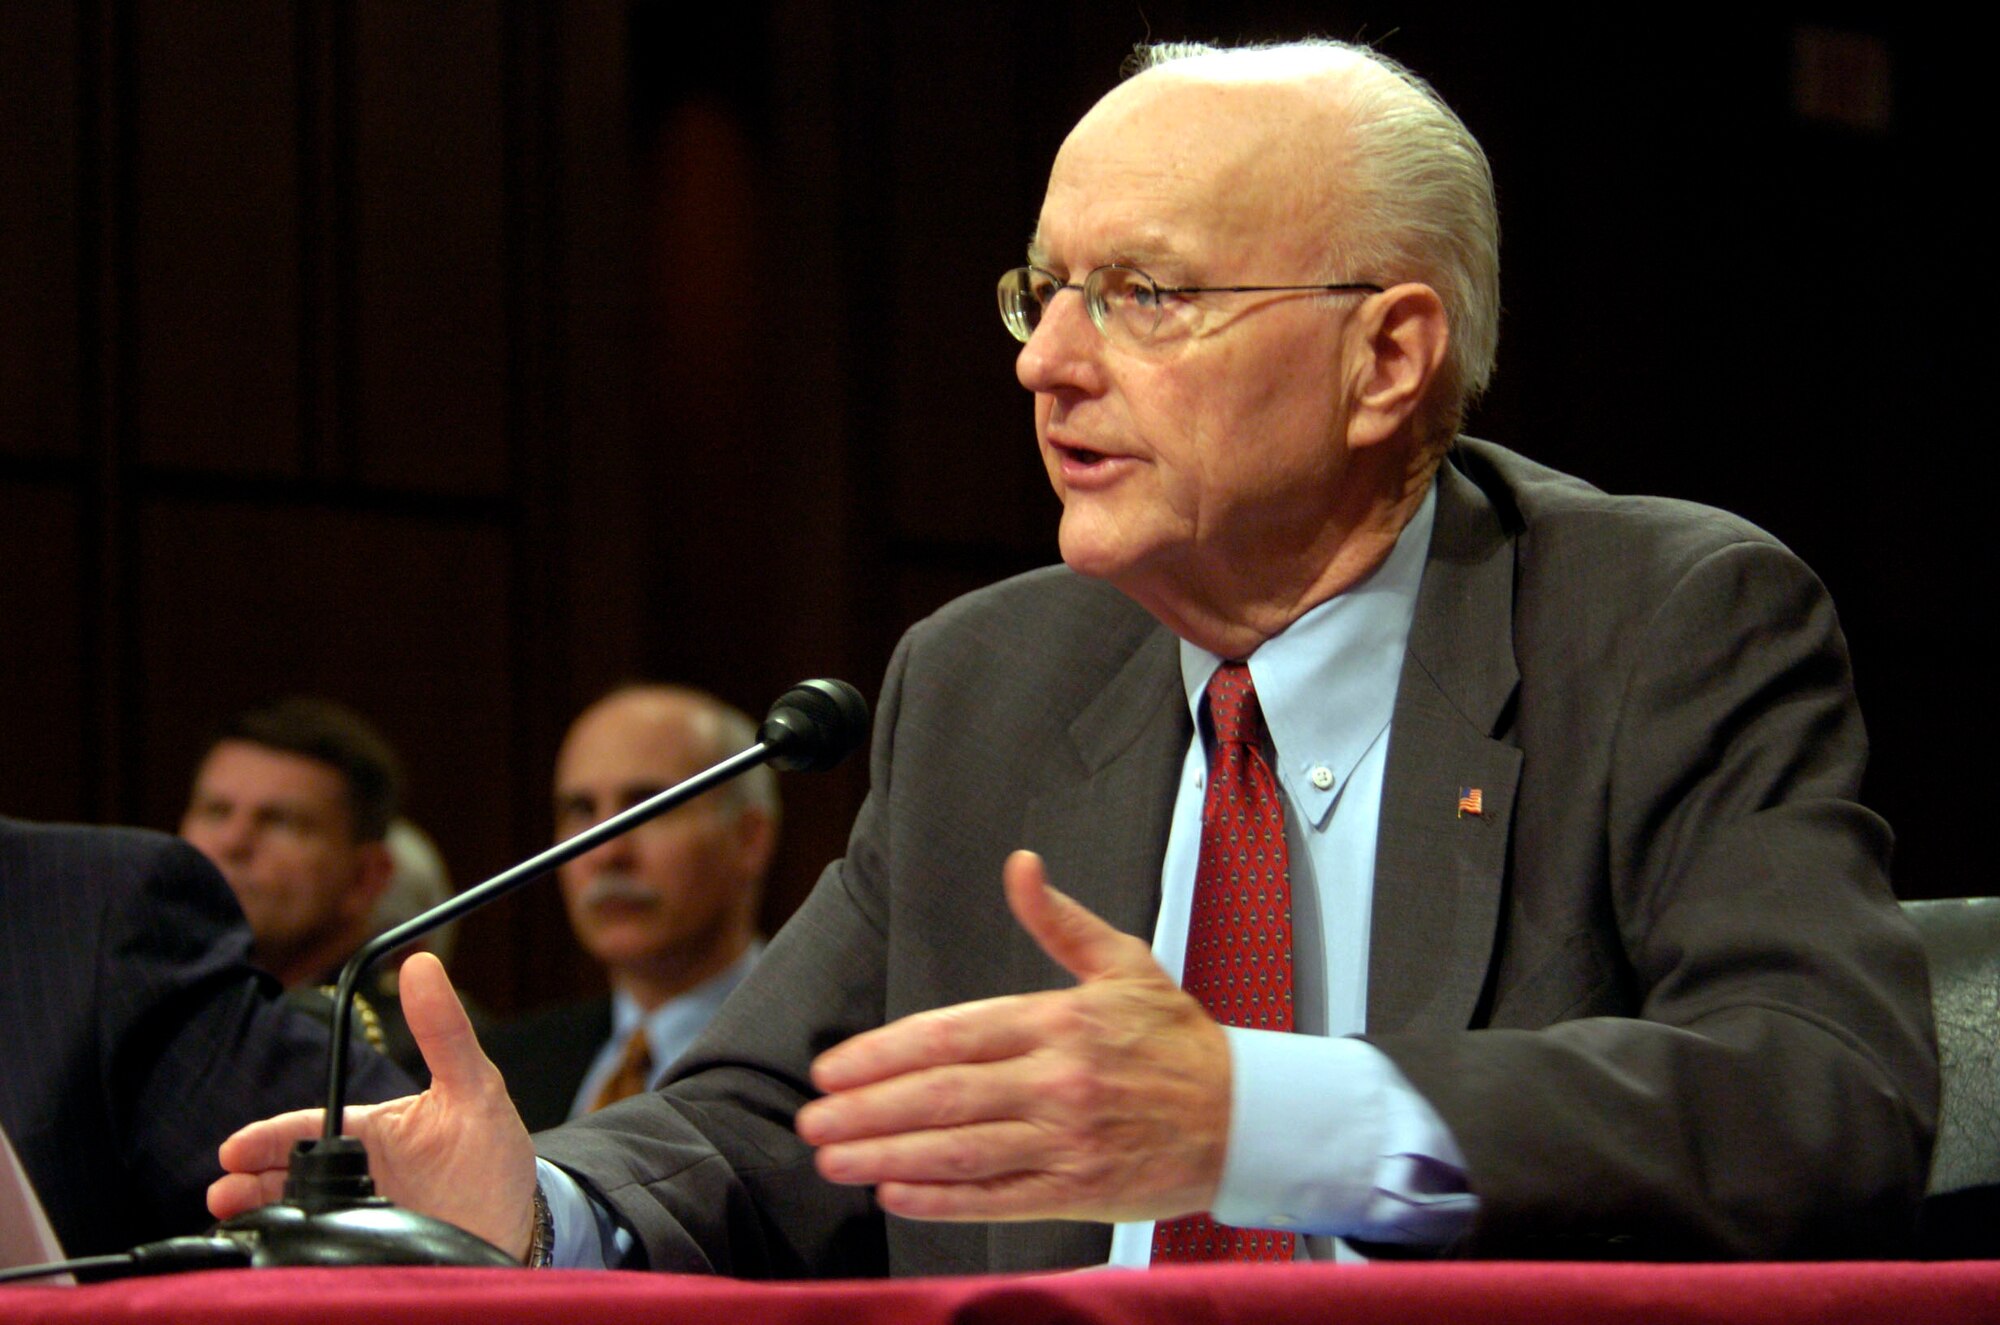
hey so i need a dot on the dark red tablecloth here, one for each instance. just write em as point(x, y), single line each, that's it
point(1886, 1293)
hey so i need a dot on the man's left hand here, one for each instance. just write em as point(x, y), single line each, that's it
point(1108, 1101)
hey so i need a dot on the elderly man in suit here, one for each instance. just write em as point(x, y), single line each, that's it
point(1458, 859)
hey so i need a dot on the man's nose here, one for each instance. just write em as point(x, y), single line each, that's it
point(615, 854)
point(231, 837)
point(1064, 350)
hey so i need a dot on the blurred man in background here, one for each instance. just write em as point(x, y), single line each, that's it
point(293, 802)
point(669, 910)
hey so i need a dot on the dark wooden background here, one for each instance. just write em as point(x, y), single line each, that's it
point(459, 358)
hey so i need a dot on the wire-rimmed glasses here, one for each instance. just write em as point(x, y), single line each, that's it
point(1124, 302)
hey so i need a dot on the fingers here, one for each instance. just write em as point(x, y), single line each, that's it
point(1105, 1101)
point(993, 1028)
point(935, 1097)
point(1031, 1195)
point(943, 1155)
point(255, 1160)
point(237, 1193)
point(963, 1033)
point(267, 1145)
point(1079, 941)
point(438, 1022)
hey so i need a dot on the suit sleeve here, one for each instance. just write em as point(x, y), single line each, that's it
point(1769, 1087)
point(196, 1042)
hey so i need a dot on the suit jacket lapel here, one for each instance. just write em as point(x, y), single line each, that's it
point(1102, 824)
point(1439, 872)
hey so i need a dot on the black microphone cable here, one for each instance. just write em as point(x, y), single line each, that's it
point(171, 1256)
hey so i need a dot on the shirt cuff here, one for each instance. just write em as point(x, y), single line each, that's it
point(1326, 1136)
point(586, 1236)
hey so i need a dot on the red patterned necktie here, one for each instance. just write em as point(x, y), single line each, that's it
point(1239, 947)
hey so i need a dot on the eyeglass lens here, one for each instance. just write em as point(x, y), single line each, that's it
point(1121, 301)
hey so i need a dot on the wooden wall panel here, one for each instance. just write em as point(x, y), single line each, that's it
point(215, 238)
point(285, 333)
point(595, 475)
point(964, 460)
point(792, 514)
point(406, 619)
point(42, 663)
point(430, 259)
point(38, 258)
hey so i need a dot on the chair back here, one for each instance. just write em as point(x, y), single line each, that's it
point(1961, 936)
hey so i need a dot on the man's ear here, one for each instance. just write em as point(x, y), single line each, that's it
point(374, 865)
point(1401, 335)
point(755, 838)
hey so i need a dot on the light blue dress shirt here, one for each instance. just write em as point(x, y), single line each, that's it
point(1326, 1137)
point(586, 1236)
point(670, 1027)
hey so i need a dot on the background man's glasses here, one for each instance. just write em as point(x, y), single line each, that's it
point(1124, 302)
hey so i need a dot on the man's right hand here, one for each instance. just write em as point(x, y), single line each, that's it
point(458, 1152)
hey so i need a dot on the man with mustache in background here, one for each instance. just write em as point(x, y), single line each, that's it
point(669, 910)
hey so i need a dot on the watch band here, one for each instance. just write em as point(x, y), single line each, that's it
point(542, 1246)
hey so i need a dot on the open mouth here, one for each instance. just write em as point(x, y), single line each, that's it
point(1079, 455)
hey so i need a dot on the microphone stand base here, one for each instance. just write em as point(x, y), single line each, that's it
point(369, 1232)
point(332, 1216)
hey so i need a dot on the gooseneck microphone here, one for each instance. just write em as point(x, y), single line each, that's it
point(330, 1214)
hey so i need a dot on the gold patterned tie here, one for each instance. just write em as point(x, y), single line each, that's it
point(634, 1074)
point(1239, 947)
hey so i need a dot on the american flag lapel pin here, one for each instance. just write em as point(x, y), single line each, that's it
point(1471, 801)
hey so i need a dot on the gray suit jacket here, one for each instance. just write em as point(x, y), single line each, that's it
point(1702, 1025)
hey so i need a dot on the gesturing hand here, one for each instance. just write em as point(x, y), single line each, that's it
point(457, 1152)
point(1108, 1101)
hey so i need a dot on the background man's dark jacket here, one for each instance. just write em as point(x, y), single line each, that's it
point(138, 1034)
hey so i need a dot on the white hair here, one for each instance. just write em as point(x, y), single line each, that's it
point(719, 730)
point(732, 731)
point(1416, 201)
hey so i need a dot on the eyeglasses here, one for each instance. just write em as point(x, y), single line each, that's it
point(1124, 302)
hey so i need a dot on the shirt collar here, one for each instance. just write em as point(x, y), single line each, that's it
point(669, 1022)
point(1327, 683)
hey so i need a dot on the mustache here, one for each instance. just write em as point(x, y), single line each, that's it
point(617, 887)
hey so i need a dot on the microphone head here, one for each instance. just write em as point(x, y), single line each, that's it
point(814, 724)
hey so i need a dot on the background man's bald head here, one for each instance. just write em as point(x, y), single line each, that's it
point(706, 728)
point(674, 901)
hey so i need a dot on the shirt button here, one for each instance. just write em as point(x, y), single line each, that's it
point(1282, 1221)
point(1322, 777)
